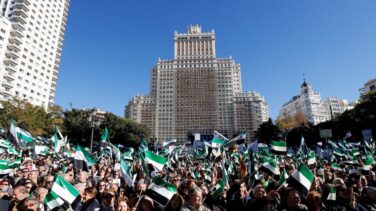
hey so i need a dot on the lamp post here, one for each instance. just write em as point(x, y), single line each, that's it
point(94, 121)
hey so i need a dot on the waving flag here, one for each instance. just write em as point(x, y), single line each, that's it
point(155, 160)
point(217, 189)
point(82, 158)
point(161, 191)
point(64, 189)
point(126, 173)
point(311, 158)
point(104, 135)
point(52, 200)
point(279, 147)
point(19, 135)
point(301, 179)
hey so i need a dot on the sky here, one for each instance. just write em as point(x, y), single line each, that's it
point(110, 46)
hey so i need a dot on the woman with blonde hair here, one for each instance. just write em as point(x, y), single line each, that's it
point(121, 204)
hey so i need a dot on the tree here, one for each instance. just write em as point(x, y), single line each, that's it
point(290, 122)
point(121, 131)
point(35, 119)
point(268, 131)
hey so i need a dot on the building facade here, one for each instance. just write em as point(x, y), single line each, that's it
point(370, 86)
point(250, 110)
point(31, 42)
point(193, 93)
point(308, 103)
point(335, 106)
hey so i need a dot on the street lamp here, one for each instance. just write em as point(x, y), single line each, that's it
point(94, 121)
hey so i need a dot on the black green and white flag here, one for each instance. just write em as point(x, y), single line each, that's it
point(336, 167)
point(338, 152)
point(167, 142)
point(301, 179)
point(332, 196)
point(270, 166)
point(158, 162)
point(126, 173)
point(64, 189)
point(56, 143)
point(41, 150)
point(278, 147)
point(19, 135)
point(311, 158)
point(283, 178)
point(220, 136)
point(128, 155)
point(217, 142)
point(82, 158)
point(104, 135)
point(161, 191)
point(52, 200)
point(217, 189)
point(368, 162)
point(5, 168)
point(224, 174)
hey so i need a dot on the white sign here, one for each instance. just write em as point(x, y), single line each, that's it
point(197, 137)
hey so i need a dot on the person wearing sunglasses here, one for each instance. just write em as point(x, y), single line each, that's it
point(108, 200)
point(89, 202)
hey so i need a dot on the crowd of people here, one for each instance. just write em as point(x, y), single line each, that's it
point(248, 186)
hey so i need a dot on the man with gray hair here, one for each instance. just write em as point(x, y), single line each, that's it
point(20, 195)
point(196, 202)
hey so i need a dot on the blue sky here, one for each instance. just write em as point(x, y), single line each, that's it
point(110, 46)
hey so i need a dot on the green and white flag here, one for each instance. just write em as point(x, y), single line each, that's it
point(41, 150)
point(5, 168)
point(5, 143)
point(279, 147)
point(224, 174)
point(283, 178)
point(332, 196)
point(104, 135)
point(311, 158)
point(217, 143)
point(167, 142)
point(15, 163)
point(219, 136)
point(217, 189)
point(338, 152)
point(367, 163)
point(19, 135)
point(128, 155)
point(336, 167)
point(56, 143)
point(84, 156)
point(301, 179)
point(270, 165)
point(161, 191)
point(64, 189)
point(144, 145)
point(155, 160)
point(52, 200)
point(126, 173)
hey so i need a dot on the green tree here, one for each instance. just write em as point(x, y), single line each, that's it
point(121, 131)
point(268, 131)
point(35, 119)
